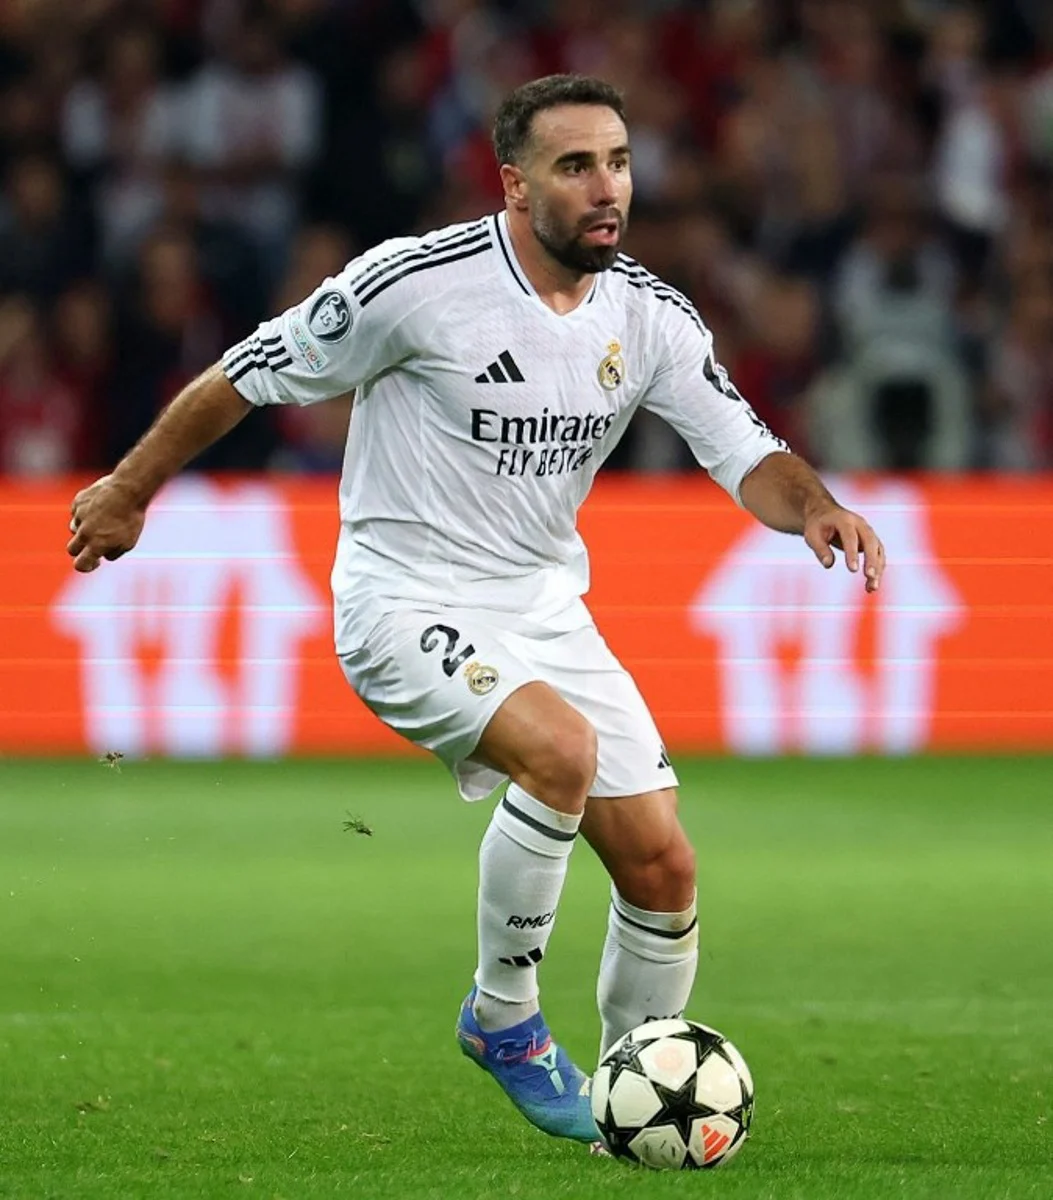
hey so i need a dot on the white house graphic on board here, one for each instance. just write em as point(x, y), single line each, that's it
point(209, 555)
point(769, 592)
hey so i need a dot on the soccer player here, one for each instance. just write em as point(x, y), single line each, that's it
point(495, 365)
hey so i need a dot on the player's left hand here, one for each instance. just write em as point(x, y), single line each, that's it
point(837, 528)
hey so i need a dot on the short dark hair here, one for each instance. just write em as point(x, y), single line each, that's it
point(515, 118)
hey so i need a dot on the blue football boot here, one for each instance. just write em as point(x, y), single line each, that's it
point(541, 1081)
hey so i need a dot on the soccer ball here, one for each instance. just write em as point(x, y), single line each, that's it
point(673, 1094)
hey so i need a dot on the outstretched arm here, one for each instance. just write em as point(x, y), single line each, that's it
point(108, 516)
point(786, 494)
point(350, 329)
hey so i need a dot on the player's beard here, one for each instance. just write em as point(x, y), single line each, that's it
point(567, 247)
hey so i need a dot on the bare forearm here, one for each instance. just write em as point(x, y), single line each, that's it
point(783, 491)
point(200, 415)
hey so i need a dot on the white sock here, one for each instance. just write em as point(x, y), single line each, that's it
point(522, 865)
point(648, 967)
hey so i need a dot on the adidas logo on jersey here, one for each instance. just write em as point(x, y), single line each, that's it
point(503, 370)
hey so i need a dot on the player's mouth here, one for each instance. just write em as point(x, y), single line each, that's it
point(604, 233)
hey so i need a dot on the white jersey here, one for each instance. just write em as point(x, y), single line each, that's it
point(481, 416)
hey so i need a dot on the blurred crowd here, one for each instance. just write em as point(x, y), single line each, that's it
point(857, 194)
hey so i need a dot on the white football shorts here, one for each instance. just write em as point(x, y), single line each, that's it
point(437, 677)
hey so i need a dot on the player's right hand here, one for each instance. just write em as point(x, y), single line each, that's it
point(106, 522)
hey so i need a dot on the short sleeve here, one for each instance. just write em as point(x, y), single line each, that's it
point(342, 336)
point(693, 393)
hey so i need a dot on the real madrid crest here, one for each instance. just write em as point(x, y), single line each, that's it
point(612, 369)
point(481, 678)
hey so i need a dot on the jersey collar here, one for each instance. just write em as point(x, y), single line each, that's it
point(517, 276)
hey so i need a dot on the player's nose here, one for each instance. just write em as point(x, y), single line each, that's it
point(604, 191)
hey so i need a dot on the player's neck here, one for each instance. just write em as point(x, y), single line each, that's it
point(556, 285)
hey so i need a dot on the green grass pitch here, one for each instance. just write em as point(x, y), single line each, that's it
point(208, 988)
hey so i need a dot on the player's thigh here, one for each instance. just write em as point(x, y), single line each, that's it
point(647, 853)
point(438, 678)
point(630, 757)
point(537, 739)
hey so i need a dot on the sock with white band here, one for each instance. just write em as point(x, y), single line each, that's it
point(522, 865)
point(647, 969)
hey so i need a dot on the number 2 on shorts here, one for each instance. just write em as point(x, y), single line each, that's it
point(429, 640)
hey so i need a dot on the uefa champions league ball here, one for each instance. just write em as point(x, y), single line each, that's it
point(673, 1095)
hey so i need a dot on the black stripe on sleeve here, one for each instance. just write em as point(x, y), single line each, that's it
point(639, 277)
point(629, 266)
point(424, 266)
point(269, 351)
point(411, 254)
point(647, 282)
point(236, 373)
point(239, 367)
point(238, 354)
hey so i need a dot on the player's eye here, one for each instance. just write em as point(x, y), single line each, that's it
point(619, 164)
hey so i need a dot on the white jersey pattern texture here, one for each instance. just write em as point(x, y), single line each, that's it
point(481, 416)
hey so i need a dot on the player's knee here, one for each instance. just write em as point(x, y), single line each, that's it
point(663, 881)
point(679, 872)
point(563, 767)
point(571, 761)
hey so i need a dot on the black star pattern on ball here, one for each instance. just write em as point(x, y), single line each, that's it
point(679, 1107)
point(627, 1055)
point(705, 1040)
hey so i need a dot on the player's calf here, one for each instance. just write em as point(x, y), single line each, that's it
point(651, 951)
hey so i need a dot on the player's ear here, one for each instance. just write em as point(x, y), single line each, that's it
point(515, 185)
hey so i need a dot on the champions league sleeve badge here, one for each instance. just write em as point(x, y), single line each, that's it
point(330, 317)
point(611, 370)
